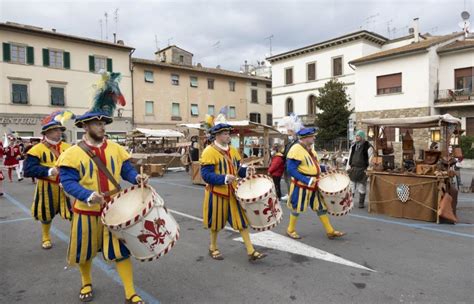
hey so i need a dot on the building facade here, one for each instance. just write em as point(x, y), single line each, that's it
point(43, 71)
point(171, 90)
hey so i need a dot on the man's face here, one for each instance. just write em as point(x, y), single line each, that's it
point(223, 137)
point(54, 134)
point(308, 141)
point(95, 129)
point(358, 138)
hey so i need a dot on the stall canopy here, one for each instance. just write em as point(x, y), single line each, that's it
point(244, 127)
point(413, 122)
point(139, 132)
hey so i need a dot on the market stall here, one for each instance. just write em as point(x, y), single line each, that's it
point(242, 129)
point(413, 187)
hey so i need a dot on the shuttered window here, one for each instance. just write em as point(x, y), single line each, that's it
point(337, 66)
point(470, 126)
point(254, 96)
point(388, 84)
point(289, 76)
point(311, 71)
point(464, 79)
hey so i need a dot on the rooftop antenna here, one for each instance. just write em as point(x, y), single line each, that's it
point(270, 40)
point(370, 19)
point(169, 40)
point(101, 30)
point(106, 26)
point(156, 43)
point(388, 28)
point(116, 20)
point(464, 24)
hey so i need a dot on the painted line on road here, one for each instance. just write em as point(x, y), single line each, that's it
point(196, 218)
point(417, 226)
point(15, 220)
point(108, 270)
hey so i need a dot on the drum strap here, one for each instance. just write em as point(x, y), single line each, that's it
point(301, 185)
point(100, 165)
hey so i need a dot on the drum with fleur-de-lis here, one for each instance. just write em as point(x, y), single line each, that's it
point(256, 195)
point(139, 218)
point(334, 187)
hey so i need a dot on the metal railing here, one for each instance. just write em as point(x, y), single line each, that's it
point(454, 94)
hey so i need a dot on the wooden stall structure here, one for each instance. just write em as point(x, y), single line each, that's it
point(242, 129)
point(411, 194)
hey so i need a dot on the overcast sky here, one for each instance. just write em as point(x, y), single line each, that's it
point(229, 32)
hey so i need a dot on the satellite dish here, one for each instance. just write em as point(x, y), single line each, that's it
point(465, 15)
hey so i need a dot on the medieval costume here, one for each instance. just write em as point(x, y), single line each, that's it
point(303, 167)
point(360, 153)
point(82, 179)
point(218, 162)
point(49, 198)
point(12, 155)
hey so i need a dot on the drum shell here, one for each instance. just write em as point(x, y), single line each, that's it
point(150, 234)
point(263, 212)
point(340, 202)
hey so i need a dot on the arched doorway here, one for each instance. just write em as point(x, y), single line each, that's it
point(311, 105)
point(289, 106)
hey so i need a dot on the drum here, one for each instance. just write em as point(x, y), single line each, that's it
point(142, 223)
point(334, 187)
point(256, 195)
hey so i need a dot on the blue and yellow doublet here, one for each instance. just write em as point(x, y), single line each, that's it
point(302, 165)
point(49, 198)
point(220, 204)
point(80, 178)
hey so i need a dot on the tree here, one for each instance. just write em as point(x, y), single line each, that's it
point(334, 104)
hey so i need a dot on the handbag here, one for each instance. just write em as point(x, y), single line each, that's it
point(445, 209)
point(382, 140)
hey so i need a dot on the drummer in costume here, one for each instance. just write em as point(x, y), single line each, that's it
point(90, 186)
point(12, 155)
point(220, 166)
point(49, 198)
point(303, 167)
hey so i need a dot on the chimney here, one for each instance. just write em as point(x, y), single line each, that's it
point(416, 30)
point(54, 30)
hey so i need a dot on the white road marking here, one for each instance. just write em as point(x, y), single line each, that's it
point(276, 241)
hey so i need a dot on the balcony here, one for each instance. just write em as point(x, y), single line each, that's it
point(454, 98)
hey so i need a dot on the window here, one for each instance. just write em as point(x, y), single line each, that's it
point(232, 86)
point(255, 117)
point(19, 93)
point(181, 59)
point(211, 109)
point(232, 113)
point(269, 119)
point(470, 126)
point(289, 76)
point(269, 97)
point(57, 96)
point(18, 53)
point(388, 84)
point(463, 79)
point(149, 76)
point(99, 64)
point(174, 79)
point(175, 110)
point(289, 106)
point(268, 85)
point(56, 59)
point(193, 81)
point(210, 84)
point(254, 84)
point(149, 108)
point(311, 105)
point(311, 71)
point(254, 96)
point(337, 66)
point(194, 110)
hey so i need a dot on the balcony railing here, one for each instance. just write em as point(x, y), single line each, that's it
point(454, 95)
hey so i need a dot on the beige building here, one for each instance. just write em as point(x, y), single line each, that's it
point(43, 71)
point(171, 90)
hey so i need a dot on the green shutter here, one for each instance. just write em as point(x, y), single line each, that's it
point(67, 60)
point(91, 64)
point(30, 55)
point(45, 57)
point(6, 52)
point(109, 64)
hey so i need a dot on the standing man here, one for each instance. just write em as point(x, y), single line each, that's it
point(90, 172)
point(220, 168)
point(40, 163)
point(303, 167)
point(360, 155)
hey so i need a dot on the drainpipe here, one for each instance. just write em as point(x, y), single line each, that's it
point(133, 95)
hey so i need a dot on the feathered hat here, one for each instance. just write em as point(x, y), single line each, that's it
point(218, 124)
point(55, 120)
point(106, 98)
point(292, 122)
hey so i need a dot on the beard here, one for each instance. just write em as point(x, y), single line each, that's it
point(95, 136)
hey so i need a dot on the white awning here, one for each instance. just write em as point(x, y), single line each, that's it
point(157, 133)
point(413, 122)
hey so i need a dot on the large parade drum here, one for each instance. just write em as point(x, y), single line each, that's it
point(142, 222)
point(256, 195)
point(334, 186)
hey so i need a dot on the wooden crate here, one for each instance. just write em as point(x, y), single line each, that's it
point(157, 170)
point(195, 172)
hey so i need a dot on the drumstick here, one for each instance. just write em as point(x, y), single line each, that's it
point(141, 183)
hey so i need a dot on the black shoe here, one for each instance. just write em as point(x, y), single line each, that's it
point(1, 193)
point(20, 179)
point(361, 200)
